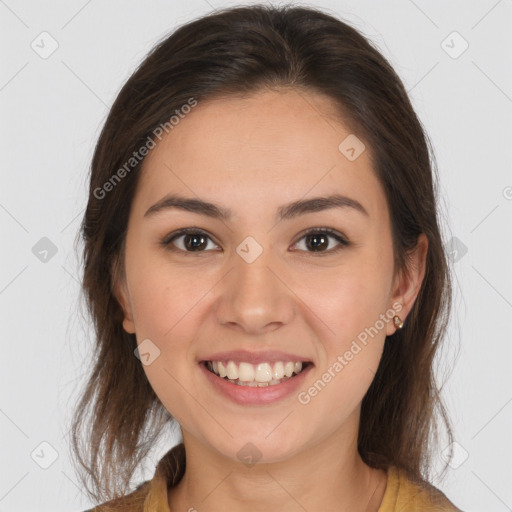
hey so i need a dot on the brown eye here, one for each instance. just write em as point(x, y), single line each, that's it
point(317, 241)
point(322, 241)
point(194, 242)
point(189, 240)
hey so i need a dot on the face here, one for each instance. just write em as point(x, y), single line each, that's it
point(261, 283)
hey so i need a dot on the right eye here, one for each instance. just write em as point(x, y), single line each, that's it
point(188, 240)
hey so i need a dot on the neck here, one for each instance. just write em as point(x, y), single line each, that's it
point(316, 478)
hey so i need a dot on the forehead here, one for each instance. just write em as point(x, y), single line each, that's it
point(275, 146)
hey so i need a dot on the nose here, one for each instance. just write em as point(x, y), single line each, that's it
point(254, 297)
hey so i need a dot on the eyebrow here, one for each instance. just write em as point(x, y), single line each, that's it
point(286, 212)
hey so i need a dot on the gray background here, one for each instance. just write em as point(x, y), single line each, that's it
point(52, 109)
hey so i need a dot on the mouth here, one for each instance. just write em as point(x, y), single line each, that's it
point(259, 375)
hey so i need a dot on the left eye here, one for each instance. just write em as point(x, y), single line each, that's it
point(318, 240)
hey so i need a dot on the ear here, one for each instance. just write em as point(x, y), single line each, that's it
point(407, 283)
point(120, 290)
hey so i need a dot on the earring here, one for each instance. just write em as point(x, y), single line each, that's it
point(398, 321)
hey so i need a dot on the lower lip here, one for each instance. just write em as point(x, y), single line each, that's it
point(247, 395)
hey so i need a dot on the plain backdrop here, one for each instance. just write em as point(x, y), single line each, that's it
point(63, 62)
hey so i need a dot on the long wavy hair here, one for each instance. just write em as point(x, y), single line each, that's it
point(232, 52)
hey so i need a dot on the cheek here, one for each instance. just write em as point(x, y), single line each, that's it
point(352, 299)
point(166, 310)
point(352, 354)
point(353, 305)
point(162, 296)
point(360, 305)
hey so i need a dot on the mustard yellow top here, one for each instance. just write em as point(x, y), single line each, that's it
point(401, 495)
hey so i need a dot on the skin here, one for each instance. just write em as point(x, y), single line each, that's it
point(253, 155)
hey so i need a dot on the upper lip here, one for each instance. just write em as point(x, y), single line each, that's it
point(264, 356)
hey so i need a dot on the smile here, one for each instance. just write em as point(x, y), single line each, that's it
point(245, 392)
point(256, 375)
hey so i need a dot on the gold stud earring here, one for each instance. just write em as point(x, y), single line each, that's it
point(398, 322)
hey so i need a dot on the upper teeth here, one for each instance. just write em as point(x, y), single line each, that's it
point(262, 372)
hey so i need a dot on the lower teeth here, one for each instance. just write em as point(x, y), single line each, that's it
point(255, 384)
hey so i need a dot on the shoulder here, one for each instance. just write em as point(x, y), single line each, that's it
point(151, 494)
point(403, 493)
point(133, 502)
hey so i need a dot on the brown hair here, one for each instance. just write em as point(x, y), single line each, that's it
point(240, 51)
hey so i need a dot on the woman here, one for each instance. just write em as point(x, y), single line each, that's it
point(264, 267)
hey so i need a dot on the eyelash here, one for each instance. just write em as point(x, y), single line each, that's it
point(166, 242)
